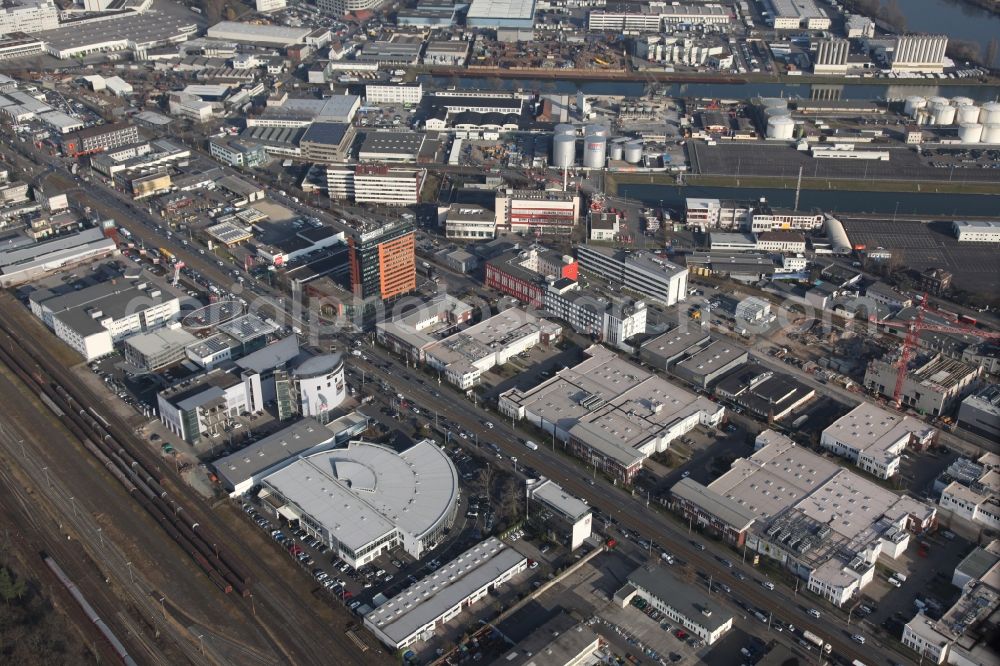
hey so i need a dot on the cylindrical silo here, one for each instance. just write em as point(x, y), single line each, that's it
point(780, 127)
point(970, 132)
point(633, 152)
point(772, 111)
point(565, 128)
point(594, 151)
point(937, 99)
point(991, 133)
point(774, 103)
point(967, 113)
point(990, 113)
point(912, 104)
point(837, 236)
point(943, 114)
point(922, 116)
point(617, 150)
point(962, 101)
point(563, 151)
point(596, 130)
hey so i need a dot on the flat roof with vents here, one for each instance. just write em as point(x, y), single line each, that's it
point(397, 621)
point(869, 428)
point(364, 492)
point(235, 469)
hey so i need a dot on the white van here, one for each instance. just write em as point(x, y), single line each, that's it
point(531, 445)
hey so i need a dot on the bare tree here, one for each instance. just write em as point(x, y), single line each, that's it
point(992, 50)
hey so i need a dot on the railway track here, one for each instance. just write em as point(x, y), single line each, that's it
point(293, 624)
point(140, 477)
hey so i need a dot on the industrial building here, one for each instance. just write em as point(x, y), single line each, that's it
point(411, 333)
point(449, 53)
point(501, 14)
point(327, 142)
point(297, 112)
point(792, 242)
point(663, 351)
point(93, 319)
point(562, 517)
point(924, 53)
point(462, 358)
point(134, 31)
point(638, 272)
point(752, 309)
point(980, 413)
point(827, 525)
point(258, 34)
point(831, 56)
point(971, 490)
point(609, 320)
point(725, 241)
point(976, 231)
point(204, 406)
point(345, 7)
point(710, 363)
point(537, 212)
point(376, 184)
point(692, 609)
point(366, 499)
point(933, 383)
point(242, 470)
point(768, 395)
point(32, 261)
point(796, 15)
point(644, 19)
point(874, 439)
point(397, 93)
point(428, 14)
point(561, 641)
point(99, 138)
point(159, 349)
point(236, 153)
point(470, 222)
point(415, 613)
point(391, 147)
point(524, 274)
point(612, 413)
point(961, 634)
point(29, 16)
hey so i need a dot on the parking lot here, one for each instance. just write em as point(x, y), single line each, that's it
point(920, 245)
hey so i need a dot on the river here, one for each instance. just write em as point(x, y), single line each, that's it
point(899, 203)
point(957, 19)
point(720, 90)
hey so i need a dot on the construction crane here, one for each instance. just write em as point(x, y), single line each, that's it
point(912, 338)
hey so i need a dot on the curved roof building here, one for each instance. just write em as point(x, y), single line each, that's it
point(366, 499)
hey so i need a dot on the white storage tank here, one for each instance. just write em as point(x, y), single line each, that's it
point(991, 133)
point(970, 132)
point(944, 114)
point(912, 104)
point(563, 151)
point(990, 113)
point(565, 128)
point(931, 101)
point(967, 113)
point(633, 152)
point(617, 150)
point(962, 101)
point(594, 151)
point(780, 127)
point(596, 130)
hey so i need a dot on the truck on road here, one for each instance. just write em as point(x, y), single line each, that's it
point(817, 641)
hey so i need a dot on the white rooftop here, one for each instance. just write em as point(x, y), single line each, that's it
point(502, 9)
point(869, 428)
point(365, 491)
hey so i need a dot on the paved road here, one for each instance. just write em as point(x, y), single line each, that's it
point(631, 512)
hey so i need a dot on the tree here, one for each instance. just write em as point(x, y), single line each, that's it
point(11, 587)
point(963, 50)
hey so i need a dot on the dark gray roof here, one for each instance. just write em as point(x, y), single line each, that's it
point(693, 604)
point(328, 133)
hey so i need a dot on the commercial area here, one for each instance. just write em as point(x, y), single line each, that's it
point(827, 525)
point(366, 499)
point(611, 413)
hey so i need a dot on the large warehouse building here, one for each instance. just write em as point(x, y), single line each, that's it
point(414, 614)
point(366, 499)
point(827, 524)
point(612, 413)
point(873, 438)
point(501, 14)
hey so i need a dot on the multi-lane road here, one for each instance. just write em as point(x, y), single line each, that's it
point(630, 512)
